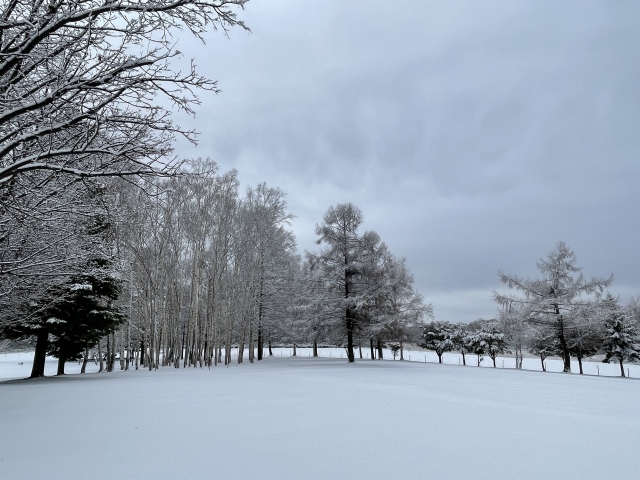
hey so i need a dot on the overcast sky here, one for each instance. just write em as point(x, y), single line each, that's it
point(472, 135)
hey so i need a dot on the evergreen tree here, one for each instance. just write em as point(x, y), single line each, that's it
point(461, 340)
point(622, 337)
point(439, 337)
point(493, 339)
point(75, 310)
point(84, 313)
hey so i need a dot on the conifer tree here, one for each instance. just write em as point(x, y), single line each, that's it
point(439, 337)
point(349, 266)
point(492, 341)
point(551, 298)
point(622, 337)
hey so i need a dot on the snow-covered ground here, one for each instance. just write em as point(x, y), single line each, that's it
point(292, 418)
point(18, 365)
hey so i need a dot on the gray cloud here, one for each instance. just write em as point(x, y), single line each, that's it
point(473, 135)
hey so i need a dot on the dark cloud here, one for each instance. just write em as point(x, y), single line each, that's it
point(473, 135)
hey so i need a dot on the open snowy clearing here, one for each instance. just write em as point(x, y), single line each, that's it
point(18, 365)
point(320, 418)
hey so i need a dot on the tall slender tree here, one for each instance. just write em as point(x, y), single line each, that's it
point(551, 298)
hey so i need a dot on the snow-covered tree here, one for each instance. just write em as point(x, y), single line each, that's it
point(543, 342)
point(78, 82)
point(492, 340)
point(513, 325)
point(439, 337)
point(461, 340)
point(551, 298)
point(585, 332)
point(69, 311)
point(349, 266)
point(621, 335)
point(398, 311)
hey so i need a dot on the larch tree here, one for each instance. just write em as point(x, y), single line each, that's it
point(348, 266)
point(398, 311)
point(551, 298)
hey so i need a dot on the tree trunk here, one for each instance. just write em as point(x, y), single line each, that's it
point(350, 355)
point(315, 347)
point(251, 343)
point(380, 354)
point(566, 356)
point(542, 363)
point(360, 349)
point(260, 342)
point(439, 357)
point(494, 361)
point(85, 359)
point(62, 357)
point(100, 356)
point(401, 351)
point(580, 364)
point(122, 348)
point(521, 359)
point(240, 351)
point(40, 355)
point(621, 368)
point(373, 353)
point(295, 352)
point(270, 351)
point(108, 353)
point(464, 360)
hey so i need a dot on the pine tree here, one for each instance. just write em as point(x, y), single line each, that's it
point(461, 340)
point(439, 337)
point(622, 337)
point(493, 339)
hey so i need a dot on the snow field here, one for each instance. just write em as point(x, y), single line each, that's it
point(292, 418)
point(10, 367)
point(453, 358)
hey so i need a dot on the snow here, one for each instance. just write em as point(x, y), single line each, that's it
point(302, 417)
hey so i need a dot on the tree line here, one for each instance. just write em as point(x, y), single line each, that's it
point(177, 271)
point(564, 314)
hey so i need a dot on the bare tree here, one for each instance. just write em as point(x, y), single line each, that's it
point(78, 82)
